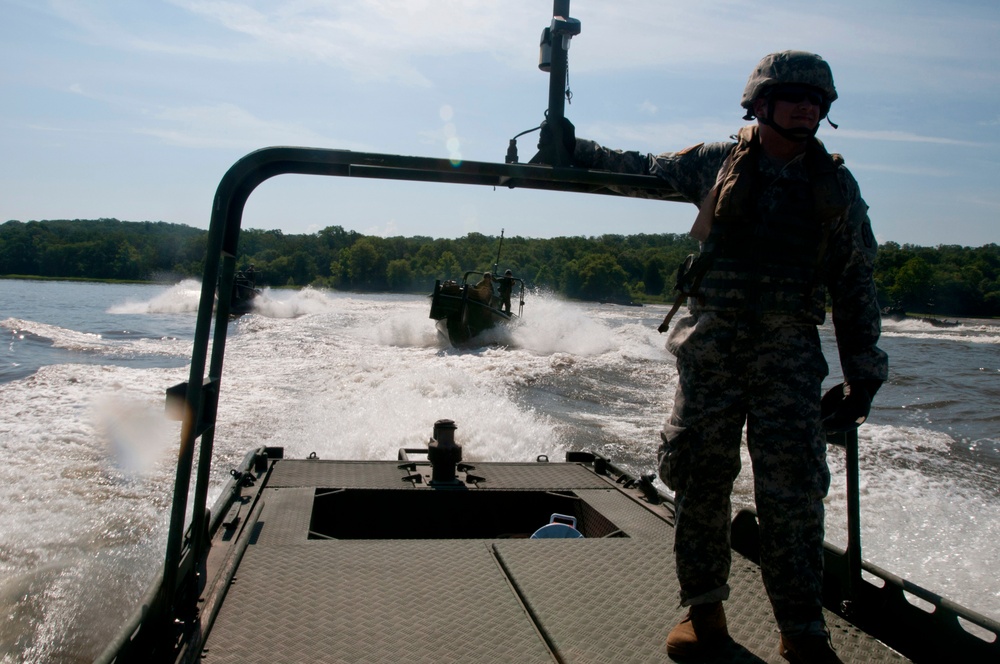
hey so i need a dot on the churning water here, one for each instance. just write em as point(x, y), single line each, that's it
point(88, 454)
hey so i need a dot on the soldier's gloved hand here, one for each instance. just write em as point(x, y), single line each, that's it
point(547, 145)
point(846, 406)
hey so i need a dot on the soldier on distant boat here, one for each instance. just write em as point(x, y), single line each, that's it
point(483, 289)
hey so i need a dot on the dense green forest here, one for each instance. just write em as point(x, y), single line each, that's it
point(944, 280)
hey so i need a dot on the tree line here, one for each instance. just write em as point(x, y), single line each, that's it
point(944, 280)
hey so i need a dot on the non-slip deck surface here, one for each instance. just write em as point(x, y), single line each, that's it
point(390, 475)
point(371, 601)
point(508, 600)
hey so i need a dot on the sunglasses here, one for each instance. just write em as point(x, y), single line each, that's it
point(796, 94)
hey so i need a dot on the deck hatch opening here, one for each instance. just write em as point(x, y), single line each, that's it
point(478, 514)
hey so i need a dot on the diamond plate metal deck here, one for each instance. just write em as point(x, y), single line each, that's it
point(342, 474)
point(285, 516)
point(388, 475)
point(593, 600)
point(548, 476)
point(615, 600)
point(372, 601)
point(633, 519)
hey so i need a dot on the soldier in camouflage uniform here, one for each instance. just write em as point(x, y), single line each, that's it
point(782, 223)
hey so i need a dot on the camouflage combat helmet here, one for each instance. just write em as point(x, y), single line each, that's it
point(789, 68)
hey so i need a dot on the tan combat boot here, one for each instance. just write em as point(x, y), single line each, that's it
point(702, 632)
point(808, 649)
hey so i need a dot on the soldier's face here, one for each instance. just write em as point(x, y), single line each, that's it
point(795, 115)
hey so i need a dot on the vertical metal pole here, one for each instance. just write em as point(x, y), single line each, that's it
point(192, 416)
point(499, 247)
point(557, 88)
point(853, 514)
point(198, 515)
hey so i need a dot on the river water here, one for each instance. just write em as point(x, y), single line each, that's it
point(88, 454)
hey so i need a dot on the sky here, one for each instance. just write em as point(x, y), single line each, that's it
point(135, 110)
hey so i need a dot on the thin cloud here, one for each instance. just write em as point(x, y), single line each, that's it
point(389, 229)
point(231, 127)
point(990, 203)
point(138, 31)
point(901, 169)
point(376, 40)
point(392, 39)
point(904, 137)
point(657, 137)
point(40, 127)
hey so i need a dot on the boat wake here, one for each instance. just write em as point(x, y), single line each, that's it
point(180, 298)
point(113, 344)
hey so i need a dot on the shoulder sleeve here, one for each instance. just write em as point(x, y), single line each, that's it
point(850, 266)
point(593, 155)
point(691, 172)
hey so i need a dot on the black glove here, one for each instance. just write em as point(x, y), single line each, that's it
point(547, 146)
point(846, 406)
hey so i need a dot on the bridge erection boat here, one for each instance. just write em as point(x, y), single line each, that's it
point(433, 557)
point(463, 310)
point(244, 293)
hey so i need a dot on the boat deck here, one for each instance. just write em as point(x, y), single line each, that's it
point(318, 582)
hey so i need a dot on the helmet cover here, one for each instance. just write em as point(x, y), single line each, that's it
point(790, 68)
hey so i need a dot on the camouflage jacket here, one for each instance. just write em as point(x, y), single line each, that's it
point(847, 257)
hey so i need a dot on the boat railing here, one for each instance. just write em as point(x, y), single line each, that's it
point(893, 609)
point(519, 290)
point(896, 611)
point(146, 624)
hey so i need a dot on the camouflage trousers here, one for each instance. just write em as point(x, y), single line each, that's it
point(767, 376)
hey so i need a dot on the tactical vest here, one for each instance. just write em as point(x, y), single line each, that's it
point(767, 243)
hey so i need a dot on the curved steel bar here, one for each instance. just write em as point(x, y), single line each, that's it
point(256, 167)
